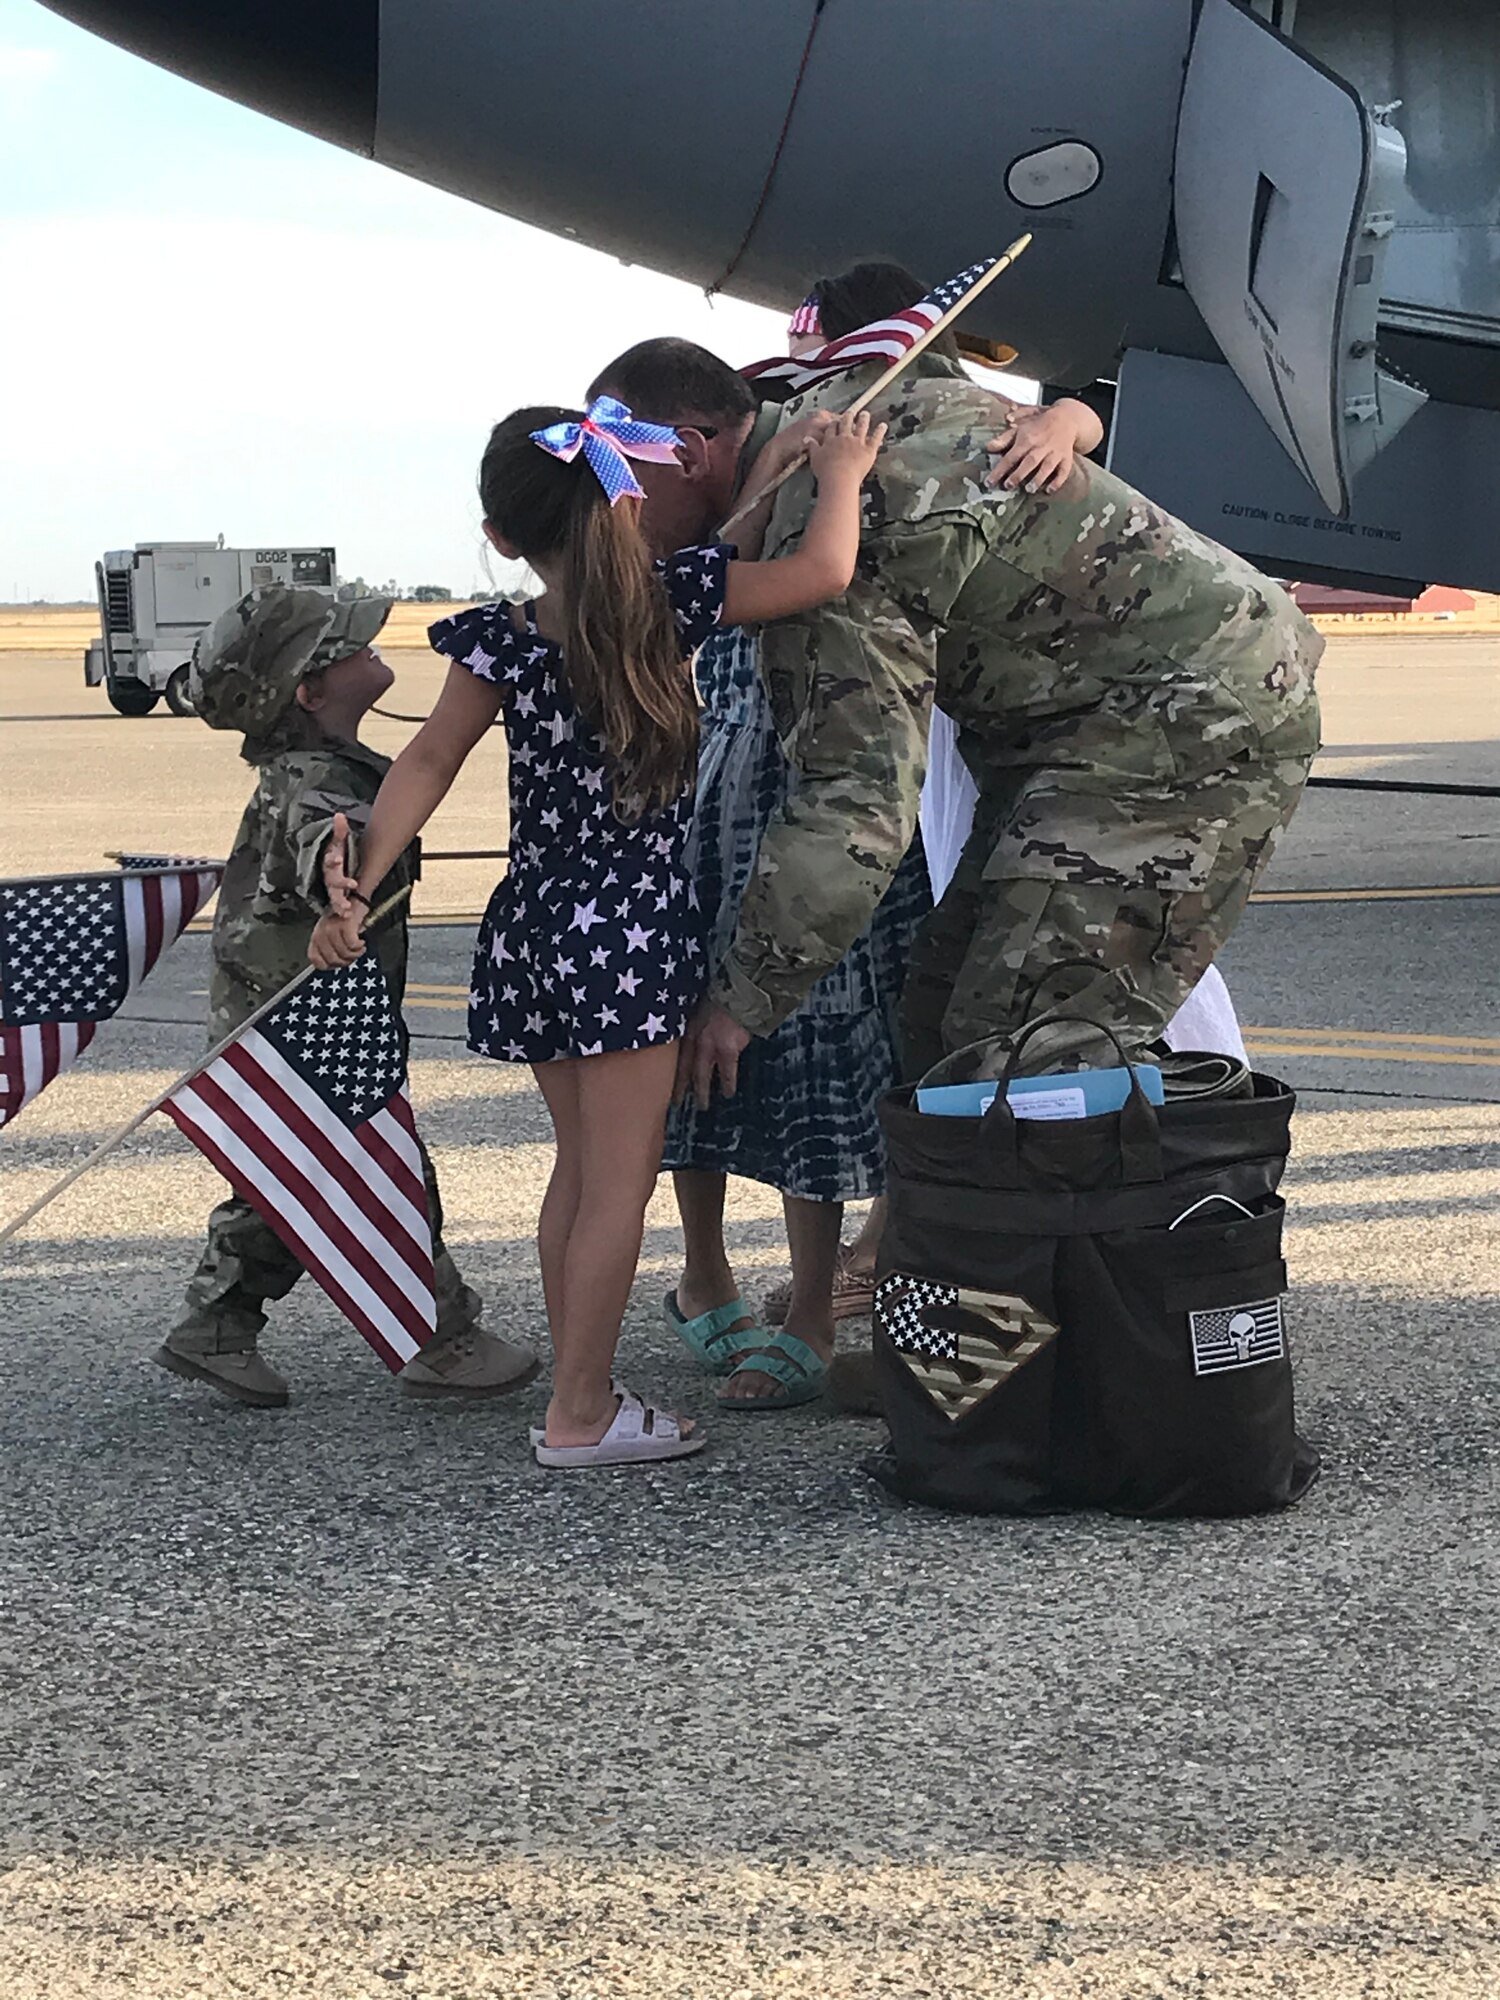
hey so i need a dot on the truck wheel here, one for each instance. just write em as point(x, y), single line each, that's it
point(178, 699)
point(132, 697)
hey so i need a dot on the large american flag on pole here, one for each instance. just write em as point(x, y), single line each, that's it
point(881, 340)
point(306, 1114)
point(71, 949)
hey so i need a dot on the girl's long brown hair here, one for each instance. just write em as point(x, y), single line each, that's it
point(620, 645)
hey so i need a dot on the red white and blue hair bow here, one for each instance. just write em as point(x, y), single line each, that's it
point(609, 437)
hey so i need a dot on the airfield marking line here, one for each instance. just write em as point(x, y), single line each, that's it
point(438, 920)
point(1451, 892)
point(1368, 1035)
point(1341, 1052)
point(1342, 1043)
point(416, 986)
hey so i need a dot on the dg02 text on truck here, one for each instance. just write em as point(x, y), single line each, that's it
point(156, 598)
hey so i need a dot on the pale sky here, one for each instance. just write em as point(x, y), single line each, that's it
point(212, 324)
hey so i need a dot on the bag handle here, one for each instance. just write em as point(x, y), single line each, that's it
point(939, 1070)
point(1090, 965)
point(1140, 1134)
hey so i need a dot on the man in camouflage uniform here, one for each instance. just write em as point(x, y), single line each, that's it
point(1136, 705)
point(293, 671)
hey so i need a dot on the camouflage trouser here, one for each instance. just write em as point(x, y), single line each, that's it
point(1148, 884)
point(245, 1263)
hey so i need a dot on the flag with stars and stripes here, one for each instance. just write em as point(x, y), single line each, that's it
point(881, 340)
point(958, 1344)
point(71, 949)
point(306, 1114)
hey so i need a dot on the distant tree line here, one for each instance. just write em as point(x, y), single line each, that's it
point(419, 593)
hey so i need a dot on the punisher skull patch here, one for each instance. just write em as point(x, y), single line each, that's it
point(1237, 1336)
point(960, 1345)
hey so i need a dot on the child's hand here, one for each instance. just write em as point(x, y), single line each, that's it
point(791, 444)
point(1035, 450)
point(847, 448)
point(337, 881)
point(337, 940)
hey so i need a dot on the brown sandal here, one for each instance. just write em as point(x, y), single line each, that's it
point(853, 1294)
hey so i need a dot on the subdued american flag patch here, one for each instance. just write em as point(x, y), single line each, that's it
point(1237, 1336)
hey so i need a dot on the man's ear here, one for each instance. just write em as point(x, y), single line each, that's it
point(501, 546)
point(310, 694)
point(692, 453)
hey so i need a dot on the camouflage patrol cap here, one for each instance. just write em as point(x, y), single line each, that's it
point(247, 666)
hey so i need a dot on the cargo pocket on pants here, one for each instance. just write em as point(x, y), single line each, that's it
point(1183, 1367)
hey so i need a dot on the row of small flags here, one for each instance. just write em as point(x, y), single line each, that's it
point(305, 1111)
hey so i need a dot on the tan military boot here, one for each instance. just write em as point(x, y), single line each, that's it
point(469, 1364)
point(241, 1372)
point(850, 1383)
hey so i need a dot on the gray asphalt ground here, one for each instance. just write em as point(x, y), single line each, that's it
point(353, 1700)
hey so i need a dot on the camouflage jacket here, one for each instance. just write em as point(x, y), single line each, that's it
point(1085, 632)
point(272, 893)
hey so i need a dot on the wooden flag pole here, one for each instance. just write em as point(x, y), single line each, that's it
point(1001, 263)
point(111, 874)
point(108, 1145)
point(168, 867)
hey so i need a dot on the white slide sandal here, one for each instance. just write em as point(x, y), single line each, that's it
point(538, 1432)
point(640, 1435)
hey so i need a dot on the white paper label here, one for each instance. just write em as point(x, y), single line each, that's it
point(1043, 1104)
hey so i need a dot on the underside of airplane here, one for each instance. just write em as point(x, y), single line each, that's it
point(1267, 236)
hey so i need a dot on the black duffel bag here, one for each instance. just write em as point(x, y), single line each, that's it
point(1088, 1312)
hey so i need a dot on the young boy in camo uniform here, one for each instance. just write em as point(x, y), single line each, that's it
point(295, 673)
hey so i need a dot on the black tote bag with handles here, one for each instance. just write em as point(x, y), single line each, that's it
point(1088, 1312)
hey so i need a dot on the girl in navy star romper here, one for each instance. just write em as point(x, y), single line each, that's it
point(590, 957)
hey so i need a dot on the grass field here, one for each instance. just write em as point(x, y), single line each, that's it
point(27, 629)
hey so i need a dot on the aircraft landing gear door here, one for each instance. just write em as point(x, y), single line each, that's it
point(1284, 195)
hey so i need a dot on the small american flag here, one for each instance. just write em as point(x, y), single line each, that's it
point(881, 340)
point(306, 1114)
point(70, 952)
point(807, 319)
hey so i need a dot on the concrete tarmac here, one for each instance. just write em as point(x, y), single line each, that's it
point(353, 1700)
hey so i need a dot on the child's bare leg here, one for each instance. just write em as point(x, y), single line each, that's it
point(558, 1083)
point(622, 1110)
point(707, 1280)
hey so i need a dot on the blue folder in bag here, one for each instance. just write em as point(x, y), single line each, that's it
point(1084, 1093)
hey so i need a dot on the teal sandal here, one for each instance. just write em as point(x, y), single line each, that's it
point(799, 1369)
point(708, 1336)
